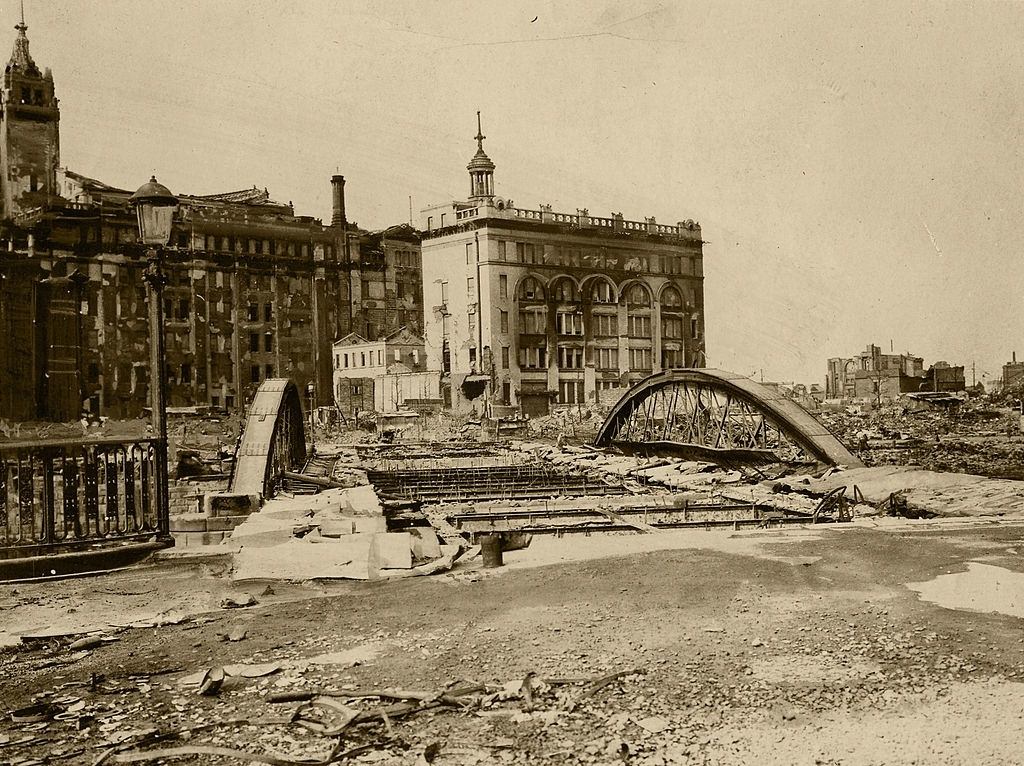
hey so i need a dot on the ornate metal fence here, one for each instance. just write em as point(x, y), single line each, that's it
point(69, 495)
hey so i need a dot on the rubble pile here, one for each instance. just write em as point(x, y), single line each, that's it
point(978, 437)
point(642, 473)
point(573, 424)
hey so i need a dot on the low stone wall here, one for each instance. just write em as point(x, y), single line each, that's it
point(185, 496)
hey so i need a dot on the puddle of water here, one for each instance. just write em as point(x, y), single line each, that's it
point(357, 655)
point(982, 588)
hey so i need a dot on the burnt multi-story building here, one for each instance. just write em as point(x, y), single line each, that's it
point(255, 291)
point(533, 308)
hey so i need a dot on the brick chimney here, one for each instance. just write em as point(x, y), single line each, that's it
point(338, 187)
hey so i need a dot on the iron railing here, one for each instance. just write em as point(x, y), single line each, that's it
point(68, 495)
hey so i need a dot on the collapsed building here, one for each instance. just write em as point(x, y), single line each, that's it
point(879, 377)
point(255, 291)
point(529, 308)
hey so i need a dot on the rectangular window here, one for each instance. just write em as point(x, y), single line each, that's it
point(444, 293)
point(506, 393)
point(254, 312)
point(472, 357)
point(694, 328)
point(268, 342)
point(398, 355)
point(445, 325)
point(362, 358)
point(471, 287)
point(469, 253)
point(380, 356)
point(183, 308)
point(269, 370)
point(568, 323)
point(268, 312)
point(186, 373)
point(672, 359)
point(570, 392)
point(640, 359)
point(168, 308)
point(607, 359)
point(606, 325)
point(530, 253)
point(533, 357)
point(570, 358)
point(502, 250)
point(672, 327)
point(254, 342)
point(254, 373)
point(638, 326)
point(503, 285)
point(504, 321)
point(400, 290)
point(504, 358)
point(345, 358)
point(520, 252)
point(532, 322)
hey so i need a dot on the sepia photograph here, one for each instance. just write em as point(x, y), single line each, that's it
point(562, 382)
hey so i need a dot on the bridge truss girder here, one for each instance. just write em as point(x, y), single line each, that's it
point(719, 416)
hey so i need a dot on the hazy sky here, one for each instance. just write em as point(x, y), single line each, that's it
point(856, 167)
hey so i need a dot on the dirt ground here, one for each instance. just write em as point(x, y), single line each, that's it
point(788, 648)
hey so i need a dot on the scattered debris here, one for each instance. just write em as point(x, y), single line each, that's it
point(238, 603)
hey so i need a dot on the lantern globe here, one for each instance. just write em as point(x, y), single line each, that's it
point(154, 205)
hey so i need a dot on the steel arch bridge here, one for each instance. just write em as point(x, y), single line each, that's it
point(720, 416)
point(273, 439)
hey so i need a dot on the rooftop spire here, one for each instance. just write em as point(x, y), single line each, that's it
point(21, 59)
point(479, 133)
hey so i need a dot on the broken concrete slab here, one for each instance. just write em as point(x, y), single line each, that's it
point(391, 550)
point(294, 559)
point(425, 544)
point(944, 494)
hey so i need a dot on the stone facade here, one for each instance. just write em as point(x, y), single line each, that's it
point(360, 365)
point(254, 291)
point(533, 308)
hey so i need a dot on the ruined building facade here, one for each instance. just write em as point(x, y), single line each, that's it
point(876, 376)
point(254, 290)
point(533, 309)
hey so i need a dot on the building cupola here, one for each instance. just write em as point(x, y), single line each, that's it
point(481, 169)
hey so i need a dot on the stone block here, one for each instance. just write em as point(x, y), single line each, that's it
point(191, 522)
point(224, 504)
point(196, 539)
point(425, 544)
point(391, 550)
point(224, 523)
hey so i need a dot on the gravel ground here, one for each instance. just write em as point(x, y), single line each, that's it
point(789, 649)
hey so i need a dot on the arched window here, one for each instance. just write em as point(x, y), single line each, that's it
point(638, 296)
point(671, 299)
point(530, 290)
point(602, 292)
point(564, 291)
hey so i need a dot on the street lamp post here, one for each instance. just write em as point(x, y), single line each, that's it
point(154, 204)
